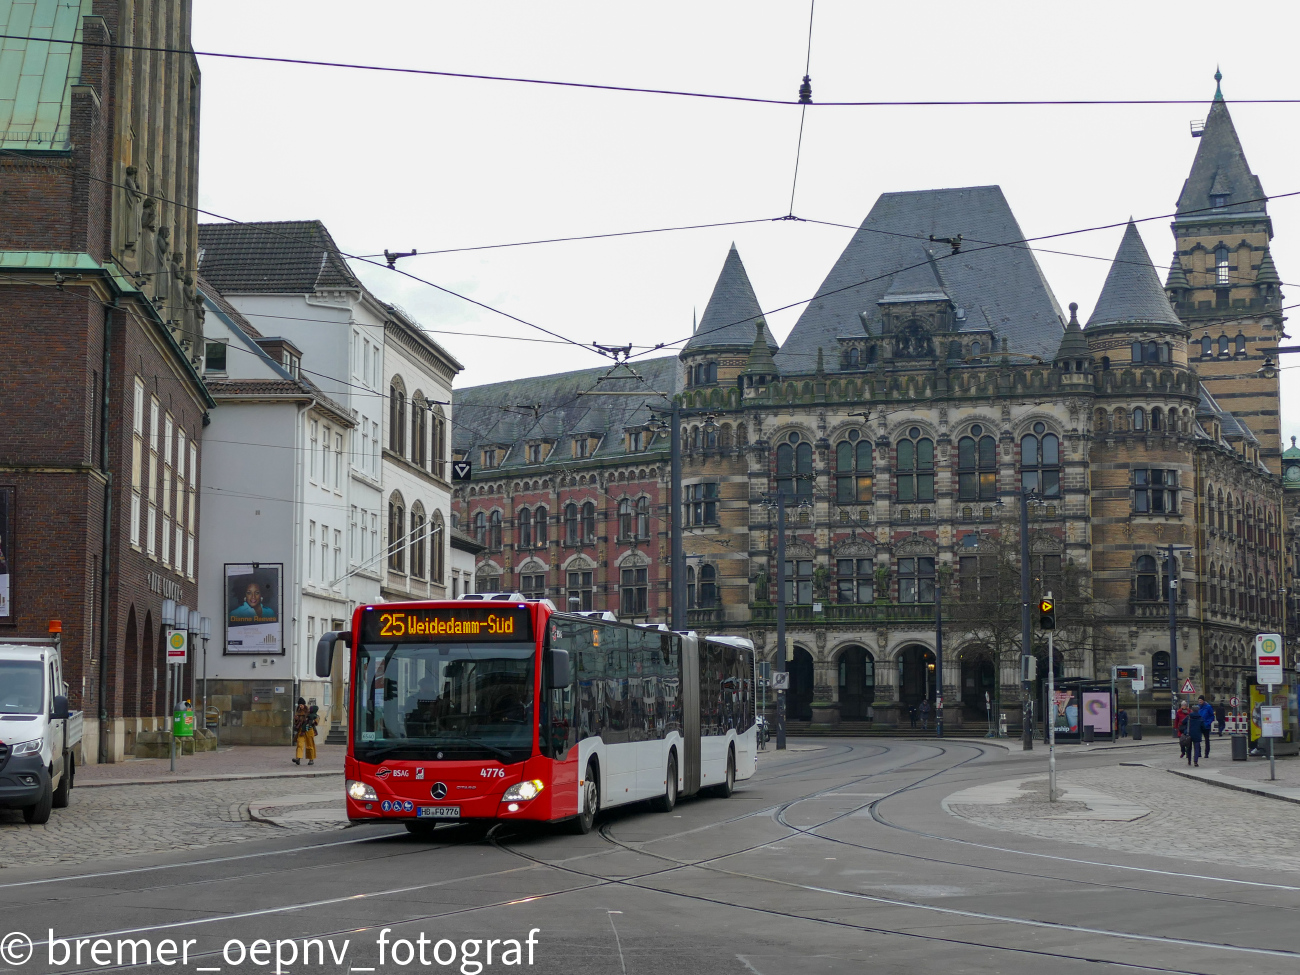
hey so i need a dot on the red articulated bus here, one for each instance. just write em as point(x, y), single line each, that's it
point(501, 708)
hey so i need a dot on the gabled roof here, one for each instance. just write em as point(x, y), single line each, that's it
point(501, 414)
point(1220, 168)
point(998, 287)
point(1132, 294)
point(273, 257)
point(36, 77)
point(732, 310)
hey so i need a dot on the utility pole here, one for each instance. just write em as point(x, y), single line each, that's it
point(938, 660)
point(780, 618)
point(1026, 633)
point(677, 561)
point(1175, 685)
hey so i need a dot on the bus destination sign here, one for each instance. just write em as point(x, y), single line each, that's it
point(447, 624)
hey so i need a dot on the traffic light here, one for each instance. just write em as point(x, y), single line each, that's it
point(1047, 613)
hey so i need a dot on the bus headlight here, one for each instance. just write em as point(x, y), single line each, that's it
point(361, 790)
point(522, 791)
point(26, 747)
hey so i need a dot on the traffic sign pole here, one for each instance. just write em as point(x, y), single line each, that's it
point(1051, 716)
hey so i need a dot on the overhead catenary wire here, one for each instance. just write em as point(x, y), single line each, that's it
point(805, 99)
point(633, 89)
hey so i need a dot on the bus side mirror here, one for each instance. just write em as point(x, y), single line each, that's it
point(60, 707)
point(560, 676)
point(325, 650)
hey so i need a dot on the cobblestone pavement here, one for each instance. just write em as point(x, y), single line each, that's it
point(1189, 821)
point(234, 760)
point(1255, 769)
point(134, 820)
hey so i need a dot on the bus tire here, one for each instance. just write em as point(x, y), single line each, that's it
point(582, 823)
point(39, 814)
point(668, 800)
point(61, 794)
point(728, 785)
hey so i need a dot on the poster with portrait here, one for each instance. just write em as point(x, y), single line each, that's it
point(7, 518)
point(1259, 698)
point(1066, 713)
point(253, 605)
point(1096, 711)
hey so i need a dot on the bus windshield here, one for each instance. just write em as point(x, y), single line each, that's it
point(452, 701)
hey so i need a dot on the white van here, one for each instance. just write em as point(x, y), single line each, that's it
point(38, 734)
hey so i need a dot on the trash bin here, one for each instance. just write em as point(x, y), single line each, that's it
point(1240, 747)
point(1137, 732)
point(1088, 734)
point(183, 723)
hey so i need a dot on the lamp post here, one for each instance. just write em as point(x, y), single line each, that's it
point(1175, 686)
point(938, 659)
point(205, 634)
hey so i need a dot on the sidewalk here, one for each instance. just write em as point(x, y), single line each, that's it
point(1249, 776)
point(225, 764)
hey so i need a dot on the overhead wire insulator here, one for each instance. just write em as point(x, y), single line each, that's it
point(805, 91)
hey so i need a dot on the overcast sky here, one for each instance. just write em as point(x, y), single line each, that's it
point(403, 162)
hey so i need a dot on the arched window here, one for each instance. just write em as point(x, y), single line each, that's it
point(642, 517)
point(1219, 507)
point(1213, 587)
point(1157, 418)
point(977, 466)
point(1251, 596)
point(1241, 344)
point(571, 536)
point(915, 468)
point(397, 418)
point(794, 458)
point(417, 541)
point(976, 350)
point(1139, 419)
point(625, 519)
point(480, 528)
point(439, 442)
point(1207, 346)
point(1148, 580)
point(854, 358)
point(540, 532)
point(1119, 421)
point(494, 531)
point(708, 587)
point(524, 522)
point(419, 431)
point(853, 469)
point(396, 535)
point(1223, 345)
point(1160, 669)
point(1221, 278)
point(1040, 462)
point(1137, 352)
point(437, 550)
point(589, 523)
point(690, 587)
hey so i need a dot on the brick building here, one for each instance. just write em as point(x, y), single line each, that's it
point(102, 401)
point(917, 396)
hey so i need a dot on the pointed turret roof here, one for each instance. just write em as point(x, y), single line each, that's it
point(1220, 169)
point(1177, 279)
point(1073, 344)
point(1132, 293)
point(760, 361)
point(1267, 270)
point(731, 312)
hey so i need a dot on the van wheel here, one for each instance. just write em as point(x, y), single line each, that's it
point(65, 783)
point(582, 823)
point(668, 800)
point(39, 814)
point(728, 785)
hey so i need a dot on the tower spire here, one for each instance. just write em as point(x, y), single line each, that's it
point(1218, 84)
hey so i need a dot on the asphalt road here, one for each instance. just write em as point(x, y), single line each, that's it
point(835, 860)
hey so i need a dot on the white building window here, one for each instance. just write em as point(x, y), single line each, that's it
point(325, 458)
point(314, 427)
point(325, 554)
point(191, 528)
point(374, 448)
point(151, 479)
point(363, 458)
point(374, 534)
point(168, 483)
point(338, 556)
point(311, 550)
point(137, 461)
point(338, 462)
point(311, 633)
point(353, 552)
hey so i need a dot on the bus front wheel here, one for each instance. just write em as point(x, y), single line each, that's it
point(586, 818)
point(668, 800)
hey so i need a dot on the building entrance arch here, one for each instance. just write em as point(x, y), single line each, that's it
point(857, 672)
point(798, 700)
point(978, 678)
point(915, 677)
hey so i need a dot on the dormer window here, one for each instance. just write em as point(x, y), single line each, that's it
point(536, 453)
point(581, 447)
point(1218, 200)
point(290, 363)
point(1221, 267)
point(489, 457)
point(636, 441)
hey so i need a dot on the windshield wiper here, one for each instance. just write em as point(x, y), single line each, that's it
point(379, 754)
point(481, 744)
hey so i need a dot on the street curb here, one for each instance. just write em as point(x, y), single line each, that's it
point(1220, 783)
point(236, 777)
point(1084, 750)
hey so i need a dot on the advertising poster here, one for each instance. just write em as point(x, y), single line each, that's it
point(253, 597)
point(1259, 698)
point(7, 518)
point(1067, 712)
point(1096, 711)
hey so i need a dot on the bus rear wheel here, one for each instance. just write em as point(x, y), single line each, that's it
point(668, 800)
point(590, 805)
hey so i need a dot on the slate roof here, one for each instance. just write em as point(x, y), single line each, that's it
point(1220, 167)
point(1230, 426)
point(732, 310)
point(272, 257)
point(998, 287)
point(36, 77)
point(1073, 343)
point(499, 413)
point(1132, 293)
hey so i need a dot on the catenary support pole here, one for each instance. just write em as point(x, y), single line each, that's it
point(938, 662)
point(1050, 716)
point(780, 617)
point(1174, 684)
point(1026, 633)
point(106, 548)
point(677, 560)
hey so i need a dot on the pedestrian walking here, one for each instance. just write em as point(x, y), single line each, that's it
point(300, 718)
point(925, 715)
point(1206, 710)
point(1122, 718)
point(1196, 731)
point(1221, 715)
point(1180, 729)
point(911, 713)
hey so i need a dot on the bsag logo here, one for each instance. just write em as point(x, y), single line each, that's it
point(419, 773)
point(401, 773)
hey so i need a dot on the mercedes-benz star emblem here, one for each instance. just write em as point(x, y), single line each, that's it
point(439, 790)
